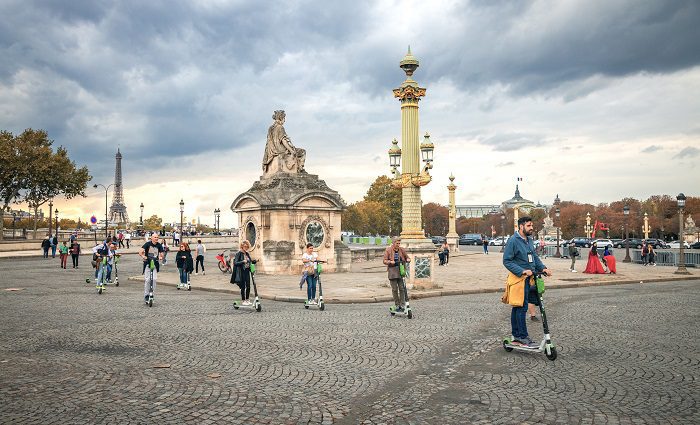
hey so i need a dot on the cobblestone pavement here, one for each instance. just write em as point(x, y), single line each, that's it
point(68, 355)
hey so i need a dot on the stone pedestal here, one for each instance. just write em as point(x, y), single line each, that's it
point(422, 255)
point(282, 212)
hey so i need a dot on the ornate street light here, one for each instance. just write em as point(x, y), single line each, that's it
point(681, 255)
point(141, 218)
point(56, 215)
point(503, 230)
point(426, 150)
point(217, 214)
point(587, 227)
point(182, 210)
point(395, 157)
point(556, 215)
point(50, 217)
point(14, 220)
point(106, 190)
point(626, 211)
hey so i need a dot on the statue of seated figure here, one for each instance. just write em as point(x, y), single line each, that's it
point(280, 153)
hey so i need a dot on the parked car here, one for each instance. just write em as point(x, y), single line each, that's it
point(499, 241)
point(470, 239)
point(438, 240)
point(602, 243)
point(634, 243)
point(579, 242)
point(695, 245)
point(677, 245)
point(657, 243)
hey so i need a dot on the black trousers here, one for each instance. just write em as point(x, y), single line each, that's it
point(74, 257)
point(200, 260)
point(245, 285)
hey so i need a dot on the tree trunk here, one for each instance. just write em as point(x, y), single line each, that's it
point(35, 218)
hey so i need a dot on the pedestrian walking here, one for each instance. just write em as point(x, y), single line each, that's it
point(54, 245)
point(201, 249)
point(45, 245)
point(446, 252)
point(395, 258)
point(127, 238)
point(522, 262)
point(308, 259)
point(151, 251)
point(184, 262)
point(573, 253)
point(176, 238)
point(166, 249)
point(75, 252)
point(485, 243)
point(63, 253)
point(645, 253)
point(120, 238)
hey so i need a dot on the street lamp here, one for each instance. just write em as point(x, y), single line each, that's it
point(587, 227)
point(681, 260)
point(50, 218)
point(503, 230)
point(141, 218)
point(182, 210)
point(56, 215)
point(217, 213)
point(106, 188)
point(556, 215)
point(14, 220)
point(626, 211)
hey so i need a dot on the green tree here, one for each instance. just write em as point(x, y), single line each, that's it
point(51, 174)
point(153, 223)
point(15, 166)
point(383, 192)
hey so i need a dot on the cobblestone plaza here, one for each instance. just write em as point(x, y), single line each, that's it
point(67, 355)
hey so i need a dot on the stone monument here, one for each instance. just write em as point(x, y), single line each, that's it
point(288, 208)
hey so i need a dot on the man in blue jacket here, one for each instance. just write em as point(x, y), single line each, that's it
point(520, 258)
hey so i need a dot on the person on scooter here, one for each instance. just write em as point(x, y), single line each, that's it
point(309, 260)
point(521, 259)
point(241, 271)
point(151, 250)
point(394, 256)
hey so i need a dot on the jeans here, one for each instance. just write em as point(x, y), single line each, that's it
point(310, 287)
point(147, 280)
point(107, 269)
point(75, 260)
point(46, 252)
point(198, 261)
point(64, 258)
point(486, 249)
point(183, 274)
point(53, 251)
point(441, 256)
point(517, 316)
point(245, 285)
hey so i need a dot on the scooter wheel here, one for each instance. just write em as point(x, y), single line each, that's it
point(552, 354)
point(306, 306)
point(258, 308)
point(116, 283)
point(409, 314)
point(506, 347)
point(178, 288)
point(392, 313)
point(189, 288)
point(150, 303)
point(322, 307)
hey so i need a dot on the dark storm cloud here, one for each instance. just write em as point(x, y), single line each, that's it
point(537, 46)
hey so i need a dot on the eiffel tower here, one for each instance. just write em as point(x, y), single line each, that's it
point(117, 212)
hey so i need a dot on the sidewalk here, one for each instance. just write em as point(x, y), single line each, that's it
point(467, 273)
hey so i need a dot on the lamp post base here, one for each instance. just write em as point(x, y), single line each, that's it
point(682, 270)
point(627, 260)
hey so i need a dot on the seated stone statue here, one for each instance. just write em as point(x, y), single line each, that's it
point(280, 153)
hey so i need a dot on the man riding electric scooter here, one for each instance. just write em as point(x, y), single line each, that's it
point(521, 260)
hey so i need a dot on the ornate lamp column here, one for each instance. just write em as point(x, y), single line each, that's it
point(681, 255)
point(182, 210)
point(503, 231)
point(587, 228)
point(646, 225)
point(452, 236)
point(626, 212)
point(556, 214)
point(411, 177)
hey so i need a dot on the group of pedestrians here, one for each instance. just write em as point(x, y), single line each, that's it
point(648, 254)
point(50, 242)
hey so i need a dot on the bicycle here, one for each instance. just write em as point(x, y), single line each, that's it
point(224, 264)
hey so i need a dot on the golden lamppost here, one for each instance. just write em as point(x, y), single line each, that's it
point(646, 226)
point(411, 177)
point(587, 228)
point(452, 236)
point(681, 255)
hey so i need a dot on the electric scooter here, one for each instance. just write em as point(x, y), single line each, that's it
point(101, 285)
point(546, 346)
point(406, 311)
point(256, 303)
point(319, 300)
point(116, 273)
point(149, 301)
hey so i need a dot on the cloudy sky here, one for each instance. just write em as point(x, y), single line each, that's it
point(594, 100)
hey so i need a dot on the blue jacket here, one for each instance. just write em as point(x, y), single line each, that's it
point(515, 256)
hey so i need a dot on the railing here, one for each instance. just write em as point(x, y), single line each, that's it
point(367, 240)
point(670, 258)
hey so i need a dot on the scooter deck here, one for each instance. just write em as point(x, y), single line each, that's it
point(320, 304)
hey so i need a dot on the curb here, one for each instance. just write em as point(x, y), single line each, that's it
point(427, 294)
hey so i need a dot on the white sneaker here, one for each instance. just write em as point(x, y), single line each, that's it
point(196, 273)
point(573, 271)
